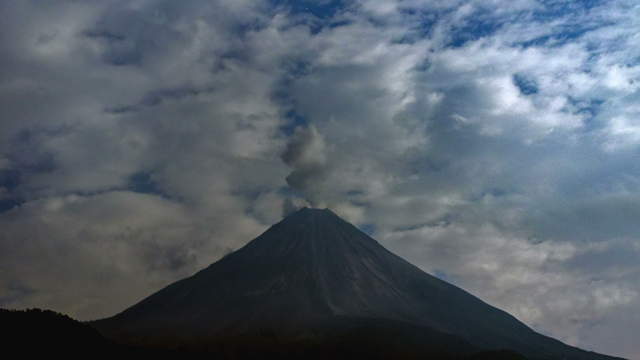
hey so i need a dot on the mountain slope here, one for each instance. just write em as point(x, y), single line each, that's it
point(310, 272)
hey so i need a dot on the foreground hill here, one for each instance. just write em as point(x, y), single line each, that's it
point(36, 332)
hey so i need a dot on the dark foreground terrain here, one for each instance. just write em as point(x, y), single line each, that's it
point(38, 332)
point(43, 333)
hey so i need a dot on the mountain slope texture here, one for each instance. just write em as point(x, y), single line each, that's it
point(314, 280)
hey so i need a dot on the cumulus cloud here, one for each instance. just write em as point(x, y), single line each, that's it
point(107, 238)
point(492, 145)
point(134, 97)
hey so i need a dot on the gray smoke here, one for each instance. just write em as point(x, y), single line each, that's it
point(306, 154)
point(291, 205)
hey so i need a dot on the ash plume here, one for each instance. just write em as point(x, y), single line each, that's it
point(306, 154)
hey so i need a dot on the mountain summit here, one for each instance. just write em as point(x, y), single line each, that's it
point(312, 276)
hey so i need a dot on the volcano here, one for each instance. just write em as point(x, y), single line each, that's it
point(315, 281)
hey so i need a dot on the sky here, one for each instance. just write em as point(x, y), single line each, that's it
point(492, 143)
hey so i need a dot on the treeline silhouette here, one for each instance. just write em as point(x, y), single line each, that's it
point(37, 332)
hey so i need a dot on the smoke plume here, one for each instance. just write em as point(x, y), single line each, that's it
point(306, 154)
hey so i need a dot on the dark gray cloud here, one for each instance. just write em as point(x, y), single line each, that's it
point(494, 145)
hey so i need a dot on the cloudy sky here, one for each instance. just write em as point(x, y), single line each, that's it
point(493, 143)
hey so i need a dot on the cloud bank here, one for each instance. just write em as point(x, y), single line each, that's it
point(493, 144)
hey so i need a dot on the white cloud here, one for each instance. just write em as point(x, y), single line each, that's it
point(500, 155)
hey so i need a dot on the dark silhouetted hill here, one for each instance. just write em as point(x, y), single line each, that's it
point(47, 329)
point(39, 333)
